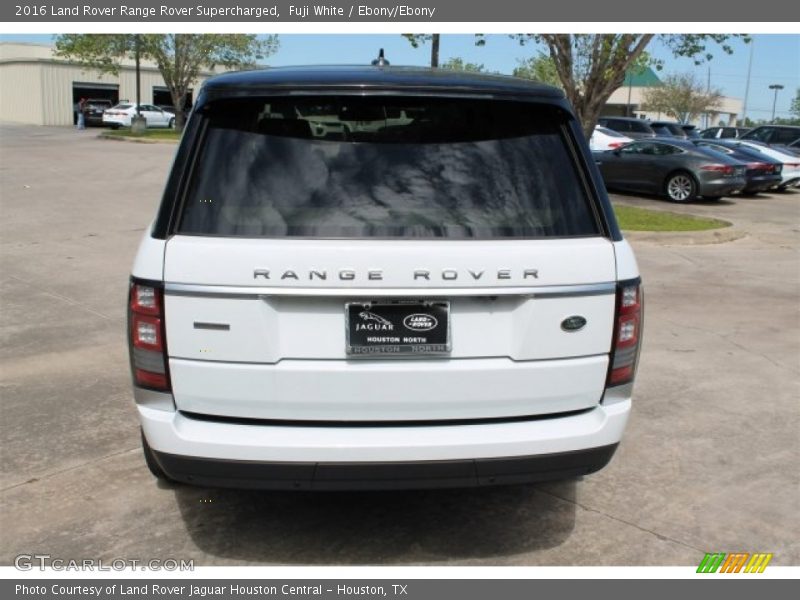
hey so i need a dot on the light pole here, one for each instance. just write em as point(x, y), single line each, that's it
point(777, 87)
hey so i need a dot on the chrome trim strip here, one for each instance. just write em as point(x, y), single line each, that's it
point(252, 292)
point(152, 399)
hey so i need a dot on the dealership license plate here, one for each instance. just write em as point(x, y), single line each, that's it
point(398, 328)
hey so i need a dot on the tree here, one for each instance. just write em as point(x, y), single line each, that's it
point(180, 57)
point(418, 39)
point(682, 96)
point(591, 66)
point(540, 68)
point(458, 64)
point(795, 108)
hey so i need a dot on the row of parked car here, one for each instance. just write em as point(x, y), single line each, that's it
point(99, 111)
point(675, 160)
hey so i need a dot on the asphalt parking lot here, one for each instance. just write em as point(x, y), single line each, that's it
point(709, 461)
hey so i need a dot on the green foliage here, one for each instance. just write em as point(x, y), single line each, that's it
point(180, 57)
point(591, 66)
point(682, 97)
point(795, 108)
point(540, 68)
point(458, 64)
point(420, 39)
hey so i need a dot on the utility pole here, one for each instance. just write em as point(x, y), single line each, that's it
point(777, 87)
point(747, 86)
point(138, 122)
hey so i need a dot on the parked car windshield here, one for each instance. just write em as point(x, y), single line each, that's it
point(353, 167)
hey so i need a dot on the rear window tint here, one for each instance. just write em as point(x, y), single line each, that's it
point(640, 127)
point(356, 167)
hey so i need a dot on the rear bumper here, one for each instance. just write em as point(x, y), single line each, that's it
point(762, 183)
point(721, 187)
point(297, 456)
point(384, 475)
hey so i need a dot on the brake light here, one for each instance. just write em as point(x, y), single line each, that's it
point(759, 166)
point(724, 169)
point(627, 333)
point(146, 335)
point(615, 145)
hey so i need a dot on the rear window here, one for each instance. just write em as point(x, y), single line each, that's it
point(361, 167)
point(609, 132)
point(640, 127)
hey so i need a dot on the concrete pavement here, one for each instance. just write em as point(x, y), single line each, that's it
point(709, 461)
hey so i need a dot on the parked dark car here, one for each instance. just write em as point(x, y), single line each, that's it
point(774, 135)
point(93, 110)
point(762, 173)
point(723, 132)
point(668, 129)
point(630, 126)
point(690, 131)
point(794, 147)
point(790, 162)
point(675, 168)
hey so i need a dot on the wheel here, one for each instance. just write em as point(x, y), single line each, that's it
point(152, 464)
point(114, 126)
point(680, 187)
point(171, 124)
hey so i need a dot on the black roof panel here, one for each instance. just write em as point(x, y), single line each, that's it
point(370, 78)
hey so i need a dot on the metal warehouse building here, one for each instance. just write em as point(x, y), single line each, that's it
point(38, 88)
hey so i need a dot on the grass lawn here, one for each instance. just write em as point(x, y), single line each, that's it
point(640, 219)
point(149, 134)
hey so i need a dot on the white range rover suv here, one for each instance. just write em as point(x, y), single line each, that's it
point(382, 277)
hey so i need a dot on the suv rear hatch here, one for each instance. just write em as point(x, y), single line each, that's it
point(304, 218)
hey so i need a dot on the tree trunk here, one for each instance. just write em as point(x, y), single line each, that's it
point(178, 101)
point(435, 50)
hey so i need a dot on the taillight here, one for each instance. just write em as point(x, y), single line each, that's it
point(627, 333)
point(759, 166)
point(615, 145)
point(724, 169)
point(146, 335)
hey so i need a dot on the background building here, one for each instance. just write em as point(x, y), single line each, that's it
point(628, 101)
point(38, 88)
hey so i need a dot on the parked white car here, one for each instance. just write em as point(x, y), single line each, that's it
point(604, 139)
point(791, 162)
point(121, 115)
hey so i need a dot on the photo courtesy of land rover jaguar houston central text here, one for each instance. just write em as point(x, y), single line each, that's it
point(382, 277)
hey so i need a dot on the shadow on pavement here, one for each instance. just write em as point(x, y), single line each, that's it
point(376, 527)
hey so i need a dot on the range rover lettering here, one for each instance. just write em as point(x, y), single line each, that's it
point(382, 277)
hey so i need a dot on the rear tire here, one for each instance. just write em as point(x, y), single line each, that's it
point(152, 463)
point(171, 124)
point(680, 187)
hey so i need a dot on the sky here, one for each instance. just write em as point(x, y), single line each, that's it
point(776, 60)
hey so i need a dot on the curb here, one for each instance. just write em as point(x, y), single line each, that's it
point(686, 238)
point(133, 140)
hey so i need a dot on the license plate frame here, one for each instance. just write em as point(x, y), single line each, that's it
point(405, 328)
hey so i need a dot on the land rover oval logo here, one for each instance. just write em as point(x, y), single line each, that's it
point(573, 323)
point(420, 322)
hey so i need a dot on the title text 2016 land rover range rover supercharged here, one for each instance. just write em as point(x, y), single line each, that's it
point(379, 277)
